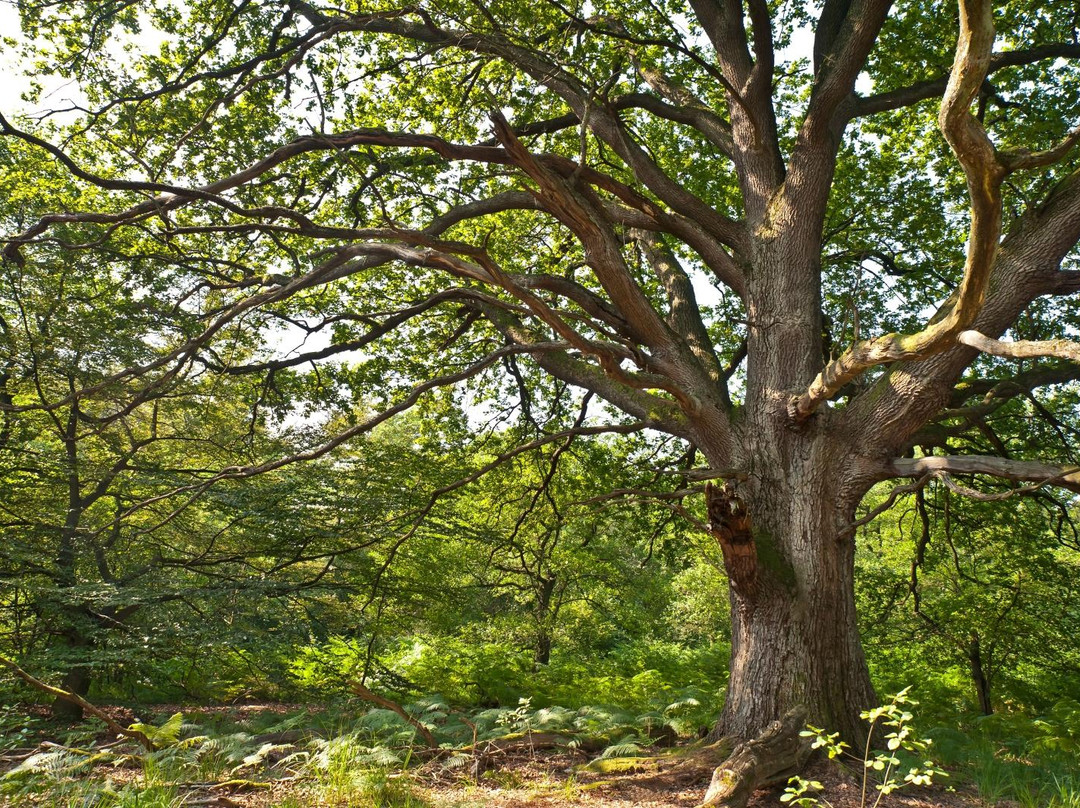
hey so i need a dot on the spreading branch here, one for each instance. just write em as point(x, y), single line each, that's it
point(1063, 476)
point(934, 88)
point(1021, 349)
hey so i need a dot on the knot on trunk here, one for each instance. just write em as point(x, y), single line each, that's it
point(729, 522)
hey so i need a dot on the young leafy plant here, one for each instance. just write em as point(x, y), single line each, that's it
point(901, 739)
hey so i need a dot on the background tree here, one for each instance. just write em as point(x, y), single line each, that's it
point(654, 156)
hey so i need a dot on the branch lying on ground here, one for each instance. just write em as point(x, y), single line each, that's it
point(75, 698)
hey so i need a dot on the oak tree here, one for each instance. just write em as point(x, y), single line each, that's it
point(787, 234)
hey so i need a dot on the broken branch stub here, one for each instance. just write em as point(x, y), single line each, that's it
point(729, 522)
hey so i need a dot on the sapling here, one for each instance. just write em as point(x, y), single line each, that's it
point(894, 716)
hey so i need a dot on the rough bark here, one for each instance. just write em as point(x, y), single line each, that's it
point(541, 649)
point(545, 618)
point(795, 639)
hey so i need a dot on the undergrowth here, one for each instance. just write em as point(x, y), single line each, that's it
point(352, 757)
point(344, 758)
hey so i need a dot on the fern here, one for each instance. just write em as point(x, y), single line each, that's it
point(161, 736)
point(458, 761)
point(629, 746)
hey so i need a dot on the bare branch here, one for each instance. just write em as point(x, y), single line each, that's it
point(985, 173)
point(1021, 349)
point(971, 493)
point(898, 491)
point(1023, 159)
point(1063, 476)
point(909, 394)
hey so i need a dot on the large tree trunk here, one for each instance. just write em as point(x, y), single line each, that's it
point(789, 553)
point(795, 639)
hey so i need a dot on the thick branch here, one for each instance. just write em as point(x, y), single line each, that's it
point(1021, 349)
point(985, 173)
point(1024, 159)
point(749, 85)
point(856, 24)
point(1063, 476)
point(684, 316)
point(601, 248)
point(890, 412)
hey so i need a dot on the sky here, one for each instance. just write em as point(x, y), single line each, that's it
point(11, 83)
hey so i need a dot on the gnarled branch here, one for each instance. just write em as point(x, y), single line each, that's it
point(985, 174)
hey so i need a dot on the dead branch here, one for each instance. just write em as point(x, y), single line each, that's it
point(362, 692)
point(1063, 476)
point(1021, 349)
point(75, 698)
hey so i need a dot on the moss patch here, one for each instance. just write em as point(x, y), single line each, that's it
point(770, 557)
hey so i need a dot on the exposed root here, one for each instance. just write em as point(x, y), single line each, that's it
point(771, 758)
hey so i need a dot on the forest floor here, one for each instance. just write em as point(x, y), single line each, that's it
point(676, 777)
point(550, 780)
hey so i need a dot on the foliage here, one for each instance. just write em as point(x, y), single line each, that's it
point(884, 765)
